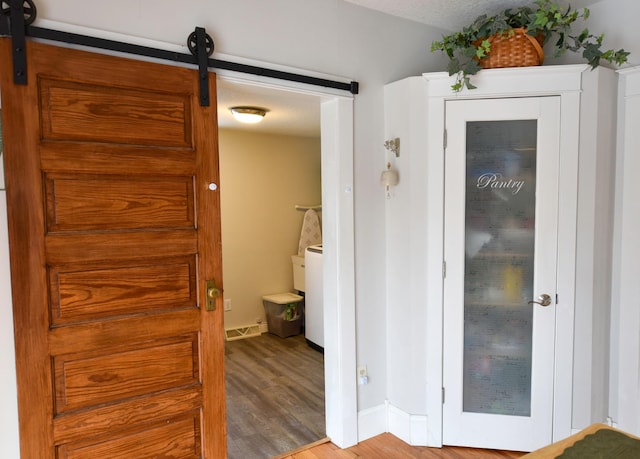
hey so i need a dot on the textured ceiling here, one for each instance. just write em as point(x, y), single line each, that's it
point(299, 114)
point(449, 14)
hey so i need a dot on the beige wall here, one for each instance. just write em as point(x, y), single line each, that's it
point(262, 178)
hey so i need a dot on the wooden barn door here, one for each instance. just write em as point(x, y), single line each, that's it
point(114, 232)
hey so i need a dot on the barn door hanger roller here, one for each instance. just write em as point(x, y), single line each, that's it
point(201, 46)
point(18, 14)
point(15, 16)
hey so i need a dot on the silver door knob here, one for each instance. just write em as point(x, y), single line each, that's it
point(543, 300)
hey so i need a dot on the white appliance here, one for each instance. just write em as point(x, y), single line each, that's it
point(298, 272)
point(314, 305)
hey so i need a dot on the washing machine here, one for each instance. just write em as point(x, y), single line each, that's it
point(314, 305)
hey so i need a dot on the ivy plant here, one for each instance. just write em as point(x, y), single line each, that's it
point(544, 19)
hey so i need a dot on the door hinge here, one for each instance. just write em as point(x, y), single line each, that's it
point(444, 139)
point(443, 395)
point(556, 298)
point(444, 269)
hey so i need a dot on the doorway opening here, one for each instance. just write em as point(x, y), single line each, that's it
point(333, 133)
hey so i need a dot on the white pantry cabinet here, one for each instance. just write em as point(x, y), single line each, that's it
point(575, 187)
point(625, 335)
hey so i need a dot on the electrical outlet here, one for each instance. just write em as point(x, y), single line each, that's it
point(227, 305)
point(363, 378)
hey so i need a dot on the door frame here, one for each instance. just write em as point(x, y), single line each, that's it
point(563, 81)
point(336, 144)
point(337, 129)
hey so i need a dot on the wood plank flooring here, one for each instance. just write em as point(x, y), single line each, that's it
point(275, 408)
point(275, 396)
point(387, 446)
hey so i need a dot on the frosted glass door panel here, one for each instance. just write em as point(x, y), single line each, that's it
point(500, 253)
point(499, 256)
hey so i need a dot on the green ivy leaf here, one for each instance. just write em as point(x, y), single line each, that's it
point(592, 54)
point(454, 66)
point(545, 19)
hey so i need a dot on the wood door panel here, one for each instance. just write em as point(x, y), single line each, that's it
point(87, 379)
point(113, 71)
point(101, 158)
point(74, 427)
point(95, 113)
point(173, 439)
point(103, 334)
point(113, 231)
point(114, 202)
point(101, 291)
point(124, 246)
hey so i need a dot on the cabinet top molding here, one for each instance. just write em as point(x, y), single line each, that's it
point(515, 82)
point(630, 81)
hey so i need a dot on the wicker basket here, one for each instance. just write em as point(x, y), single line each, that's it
point(513, 50)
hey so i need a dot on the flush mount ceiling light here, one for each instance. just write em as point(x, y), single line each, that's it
point(249, 115)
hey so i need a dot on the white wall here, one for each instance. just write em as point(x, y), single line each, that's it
point(9, 412)
point(326, 36)
point(617, 19)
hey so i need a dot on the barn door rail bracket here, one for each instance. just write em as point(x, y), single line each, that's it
point(15, 15)
point(25, 12)
point(201, 46)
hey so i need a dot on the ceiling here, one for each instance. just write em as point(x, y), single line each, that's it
point(449, 14)
point(293, 113)
point(289, 113)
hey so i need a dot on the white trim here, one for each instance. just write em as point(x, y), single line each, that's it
point(372, 422)
point(496, 83)
point(625, 349)
point(410, 428)
point(336, 117)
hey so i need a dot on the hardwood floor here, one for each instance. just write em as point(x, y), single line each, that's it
point(275, 396)
point(275, 407)
point(387, 446)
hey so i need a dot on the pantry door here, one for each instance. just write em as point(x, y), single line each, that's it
point(501, 205)
point(114, 229)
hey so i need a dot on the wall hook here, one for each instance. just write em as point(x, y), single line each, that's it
point(393, 146)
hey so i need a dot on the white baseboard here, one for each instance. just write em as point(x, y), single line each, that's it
point(372, 422)
point(410, 428)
